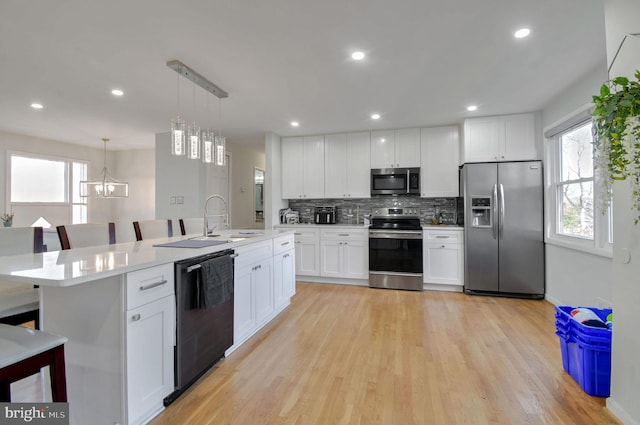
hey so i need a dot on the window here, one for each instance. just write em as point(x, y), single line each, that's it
point(573, 215)
point(39, 182)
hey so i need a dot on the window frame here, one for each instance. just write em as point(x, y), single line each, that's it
point(601, 244)
point(69, 189)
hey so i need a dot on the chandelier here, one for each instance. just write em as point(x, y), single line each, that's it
point(193, 142)
point(104, 186)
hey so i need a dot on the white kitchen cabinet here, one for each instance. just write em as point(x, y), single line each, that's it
point(307, 250)
point(303, 167)
point(395, 148)
point(150, 340)
point(253, 289)
point(500, 138)
point(344, 253)
point(347, 165)
point(443, 257)
point(440, 155)
point(284, 277)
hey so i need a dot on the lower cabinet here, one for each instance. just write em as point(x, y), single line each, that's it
point(307, 247)
point(284, 277)
point(150, 337)
point(443, 257)
point(345, 253)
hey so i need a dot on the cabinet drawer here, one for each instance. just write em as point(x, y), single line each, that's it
point(147, 285)
point(444, 236)
point(345, 234)
point(253, 253)
point(282, 244)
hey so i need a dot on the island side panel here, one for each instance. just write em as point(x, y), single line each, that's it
point(91, 316)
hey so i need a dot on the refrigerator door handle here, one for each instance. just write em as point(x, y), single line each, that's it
point(501, 225)
point(494, 212)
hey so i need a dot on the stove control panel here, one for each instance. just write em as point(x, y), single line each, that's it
point(396, 212)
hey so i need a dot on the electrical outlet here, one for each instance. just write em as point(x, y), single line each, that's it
point(179, 199)
point(172, 200)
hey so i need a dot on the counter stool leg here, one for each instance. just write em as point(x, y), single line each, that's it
point(58, 377)
point(5, 392)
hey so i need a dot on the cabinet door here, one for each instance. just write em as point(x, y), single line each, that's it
point(443, 263)
point(439, 160)
point(150, 337)
point(331, 258)
point(284, 275)
point(244, 319)
point(482, 138)
point(289, 274)
point(383, 149)
point(263, 290)
point(336, 157)
point(358, 165)
point(313, 167)
point(291, 167)
point(407, 147)
point(519, 142)
point(308, 257)
point(356, 259)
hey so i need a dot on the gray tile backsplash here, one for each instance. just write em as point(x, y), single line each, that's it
point(451, 208)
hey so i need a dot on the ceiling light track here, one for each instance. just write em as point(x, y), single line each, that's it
point(197, 78)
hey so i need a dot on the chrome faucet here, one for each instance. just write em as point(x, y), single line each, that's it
point(225, 215)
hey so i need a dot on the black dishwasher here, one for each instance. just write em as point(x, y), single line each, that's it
point(203, 332)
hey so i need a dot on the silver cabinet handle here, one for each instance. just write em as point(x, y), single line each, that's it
point(284, 243)
point(153, 285)
point(442, 246)
point(135, 317)
point(234, 255)
point(442, 237)
point(285, 255)
point(298, 234)
point(343, 234)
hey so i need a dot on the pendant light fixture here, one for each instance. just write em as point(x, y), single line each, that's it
point(105, 186)
point(178, 130)
point(200, 144)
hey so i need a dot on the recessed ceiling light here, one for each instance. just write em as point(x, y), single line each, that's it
point(522, 33)
point(117, 92)
point(37, 106)
point(375, 116)
point(471, 108)
point(294, 123)
point(357, 56)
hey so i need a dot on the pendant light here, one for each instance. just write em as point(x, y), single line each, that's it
point(105, 186)
point(178, 128)
point(199, 144)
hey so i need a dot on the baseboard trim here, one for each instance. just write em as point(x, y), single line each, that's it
point(621, 414)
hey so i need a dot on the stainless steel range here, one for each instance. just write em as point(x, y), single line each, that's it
point(395, 249)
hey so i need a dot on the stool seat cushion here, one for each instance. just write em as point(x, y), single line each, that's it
point(18, 343)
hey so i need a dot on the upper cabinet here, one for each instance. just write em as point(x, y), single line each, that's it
point(303, 167)
point(439, 159)
point(395, 148)
point(501, 138)
point(347, 165)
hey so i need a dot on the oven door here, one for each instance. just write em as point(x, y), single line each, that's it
point(395, 251)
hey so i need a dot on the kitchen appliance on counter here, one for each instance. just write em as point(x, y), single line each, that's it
point(395, 249)
point(503, 232)
point(204, 331)
point(395, 181)
point(325, 215)
point(289, 216)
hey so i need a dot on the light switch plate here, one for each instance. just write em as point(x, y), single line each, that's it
point(172, 200)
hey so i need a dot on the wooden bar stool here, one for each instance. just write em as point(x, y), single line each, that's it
point(23, 352)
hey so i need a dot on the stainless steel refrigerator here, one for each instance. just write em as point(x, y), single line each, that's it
point(504, 233)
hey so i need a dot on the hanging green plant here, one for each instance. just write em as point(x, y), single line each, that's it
point(616, 136)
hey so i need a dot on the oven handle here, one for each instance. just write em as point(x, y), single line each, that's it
point(385, 234)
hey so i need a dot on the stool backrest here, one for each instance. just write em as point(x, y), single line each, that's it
point(152, 229)
point(190, 226)
point(20, 240)
point(89, 234)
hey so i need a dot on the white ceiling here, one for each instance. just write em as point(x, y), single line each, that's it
point(283, 60)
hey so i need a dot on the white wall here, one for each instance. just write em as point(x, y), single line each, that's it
point(621, 17)
point(244, 161)
point(273, 201)
point(575, 277)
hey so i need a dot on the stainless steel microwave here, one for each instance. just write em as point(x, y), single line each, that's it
point(395, 181)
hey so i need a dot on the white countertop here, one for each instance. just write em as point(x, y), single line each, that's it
point(442, 226)
point(324, 226)
point(75, 266)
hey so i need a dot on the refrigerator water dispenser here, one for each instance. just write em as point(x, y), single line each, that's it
point(480, 212)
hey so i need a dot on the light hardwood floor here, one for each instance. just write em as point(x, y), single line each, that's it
point(355, 355)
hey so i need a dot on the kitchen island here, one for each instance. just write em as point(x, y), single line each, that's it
point(116, 305)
